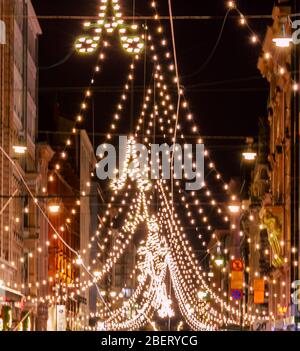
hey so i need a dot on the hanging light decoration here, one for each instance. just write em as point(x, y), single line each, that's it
point(130, 41)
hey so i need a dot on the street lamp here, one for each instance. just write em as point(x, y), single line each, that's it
point(219, 261)
point(283, 40)
point(234, 208)
point(249, 154)
point(20, 149)
point(54, 208)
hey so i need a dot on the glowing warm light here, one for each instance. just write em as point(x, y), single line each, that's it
point(243, 21)
point(254, 39)
point(282, 42)
point(234, 209)
point(166, 246)
point(249, 156)
point(54, 208)
point(219, 261)
point(20, 150)
point(281, 70)
point(130, 41)
point(267, 55)
point(79, 261)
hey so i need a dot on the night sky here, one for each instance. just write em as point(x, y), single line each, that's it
point(227, 97)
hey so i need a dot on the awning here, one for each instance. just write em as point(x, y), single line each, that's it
point(10, 295)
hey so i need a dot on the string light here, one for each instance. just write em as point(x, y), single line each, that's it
point(199, 316)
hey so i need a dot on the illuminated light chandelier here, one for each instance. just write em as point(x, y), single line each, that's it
point(151, 292)
point(146, 308)
point(156, 259)
point(130, 41)
point(155, 265)
point(218, 176)
point(187, 298)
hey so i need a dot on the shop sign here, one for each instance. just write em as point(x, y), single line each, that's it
point(237, 280)
point(61, 318)
point(259, 291)
point(236, 294)
point(237, 265)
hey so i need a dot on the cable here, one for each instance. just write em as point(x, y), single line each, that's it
point(150, 18)
point(176, 123)
point(213, 50)
point(178, 92)
point(8, 201)
point(227, 81)
point(59, 63)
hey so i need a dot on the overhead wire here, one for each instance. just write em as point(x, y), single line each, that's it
point(59, 63)
point(178, 92)
point(211, 55)
point(150, 18)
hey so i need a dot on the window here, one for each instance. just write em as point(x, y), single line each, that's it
point(18, 97)
point(32, 44)
point(26, 269)
point(26, 213)
point(31, 120)
point(19, 13)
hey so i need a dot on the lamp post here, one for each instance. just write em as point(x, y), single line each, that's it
point(235, 208)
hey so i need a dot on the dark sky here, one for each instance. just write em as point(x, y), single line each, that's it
point(230, 108)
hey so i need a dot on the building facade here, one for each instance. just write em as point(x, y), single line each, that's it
point(63, 273)
point(18, 113)
point(89, 210)
point(272, 252)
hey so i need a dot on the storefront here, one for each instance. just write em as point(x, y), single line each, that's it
point(287, 324)
point(12, 310)
point(63, 317)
